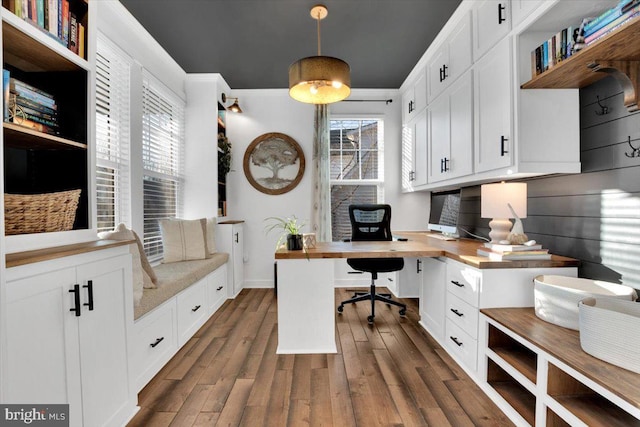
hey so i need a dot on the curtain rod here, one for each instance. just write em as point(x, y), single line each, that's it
point(386, 101)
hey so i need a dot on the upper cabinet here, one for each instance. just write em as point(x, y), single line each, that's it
point(520, 9)
point(414, 98)
point(451, 59)
point(48, 131)
point(414, 152)
point(491, 22)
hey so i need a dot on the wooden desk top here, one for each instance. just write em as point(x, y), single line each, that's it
point(419, 245)
point(564, 345)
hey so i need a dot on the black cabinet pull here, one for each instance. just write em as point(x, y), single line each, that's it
point(89, 287)
point(440, 71)
point(455, 340)
point(458, 284)
point(196, 308)
point(237, 237)
point(456, 312)
point(444, 73)
point(76, 299)
point(412, 176)
point(219, 288)
point(418, 265)
point(501, 9)
point(158, 341)
point(441, 165)
point(503, 149)
point(445, 168)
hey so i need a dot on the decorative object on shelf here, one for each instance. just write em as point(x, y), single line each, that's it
point(224, 156)
point(291, 231)
point(235, 107)
point(516, 236)
point(319, 79)
point(495, 201)
point(309, 240)
point(274, 163)
point(40, 213)
point(635, 152)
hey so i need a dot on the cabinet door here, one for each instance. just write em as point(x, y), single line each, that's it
point(409, 279)
point(459, 50)
point(493, 110)
point(440, 137)
point(238, 258)
point(407, 104)
point(420, 159)
point(103, 340)
point(438, 61)
point(420, 92)
point(460, 161)
point(407, 156)
point(432, 296)
point(42, 357)
point(522, 8)
point(491, 22)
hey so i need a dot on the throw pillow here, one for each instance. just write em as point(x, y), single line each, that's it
point(182, 240)
point(211, 234)
point(150, 278)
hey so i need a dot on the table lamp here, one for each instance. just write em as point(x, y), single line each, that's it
point(494, 203)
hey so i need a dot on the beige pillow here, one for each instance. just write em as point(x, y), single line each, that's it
point(121, 232)
point(183, 240)
point(149, 276)
point(211, 224)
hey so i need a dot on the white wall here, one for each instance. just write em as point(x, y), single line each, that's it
point(272, 110)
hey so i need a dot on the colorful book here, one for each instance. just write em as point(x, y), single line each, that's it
point(35, 97)
point(73, 33)
point(19, 84)
point(609, 15)
point(65, 22)
point(81, 41)
point(39, 13)
point(24, 102)
point(53, 17)
point(612, 25)
point(5, 92)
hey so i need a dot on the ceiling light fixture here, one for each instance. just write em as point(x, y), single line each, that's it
point(319, 79)
point(235, 107)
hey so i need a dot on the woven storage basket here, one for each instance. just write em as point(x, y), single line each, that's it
point(40, 213)
point(610, 330)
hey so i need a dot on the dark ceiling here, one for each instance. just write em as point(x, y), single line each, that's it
point(253, 42)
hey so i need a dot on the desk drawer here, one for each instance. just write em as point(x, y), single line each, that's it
point(462, 314)
point(464, 282)
point(192, 310)
point(461, 344)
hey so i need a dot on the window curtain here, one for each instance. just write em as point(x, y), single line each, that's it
point(321, 185)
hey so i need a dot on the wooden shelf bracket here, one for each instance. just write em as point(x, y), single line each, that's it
point(627, 74)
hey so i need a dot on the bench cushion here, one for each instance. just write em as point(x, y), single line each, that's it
point(175, 277)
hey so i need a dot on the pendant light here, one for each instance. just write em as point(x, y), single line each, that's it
point(319, 79)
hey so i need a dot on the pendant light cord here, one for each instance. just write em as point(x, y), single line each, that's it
point(319, 19)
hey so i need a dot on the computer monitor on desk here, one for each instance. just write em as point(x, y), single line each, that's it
point(445, 209)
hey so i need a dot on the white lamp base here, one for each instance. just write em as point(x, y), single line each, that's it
point(500, 228)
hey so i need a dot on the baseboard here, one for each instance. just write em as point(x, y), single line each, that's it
point(258, 284)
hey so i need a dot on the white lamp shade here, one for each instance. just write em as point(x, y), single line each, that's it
point(496, 197)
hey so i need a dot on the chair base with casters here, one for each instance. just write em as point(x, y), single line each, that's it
point(373, 297)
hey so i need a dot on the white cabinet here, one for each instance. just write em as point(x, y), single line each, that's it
point(231, 240)
point(520, 9)
point(217, 288)
point(191, 310)
point(432, 296)
point(451, 132)
point(493, 109)
point(67, 323)
point(414, 152)
point(491, 22)
point(414, 99)
point(409, 279)
point(452, 59)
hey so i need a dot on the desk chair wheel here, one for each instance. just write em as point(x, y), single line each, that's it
point(370, 319)
point(403, 311)
point(340, 308)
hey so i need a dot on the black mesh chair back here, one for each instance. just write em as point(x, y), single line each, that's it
point(372, 223)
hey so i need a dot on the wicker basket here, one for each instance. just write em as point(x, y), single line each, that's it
point(40, 213)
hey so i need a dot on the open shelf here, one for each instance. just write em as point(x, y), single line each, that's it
point(515, 394)
point(514, 353)
point(553, 420)
point(574, 72)
point(23, 137)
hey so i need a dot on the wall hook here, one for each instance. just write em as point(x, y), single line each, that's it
point(603, 108)
point(635, 152)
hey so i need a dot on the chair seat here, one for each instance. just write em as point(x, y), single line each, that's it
point(376, 265)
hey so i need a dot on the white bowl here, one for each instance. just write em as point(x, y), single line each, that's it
point(557, 297)
point(610, 330)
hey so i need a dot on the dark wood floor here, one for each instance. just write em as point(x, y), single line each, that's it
point(390, 374)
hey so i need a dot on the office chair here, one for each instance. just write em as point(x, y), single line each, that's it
point(372, 223)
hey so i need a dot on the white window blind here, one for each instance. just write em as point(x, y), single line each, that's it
point(356, 151)
point(162, 157)
point(112, 135)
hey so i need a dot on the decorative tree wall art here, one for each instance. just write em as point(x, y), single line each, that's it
point(274, 163)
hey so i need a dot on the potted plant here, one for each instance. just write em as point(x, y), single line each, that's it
point(291, 231)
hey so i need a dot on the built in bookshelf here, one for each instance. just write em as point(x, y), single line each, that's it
point(46, 93)
point(222, 179)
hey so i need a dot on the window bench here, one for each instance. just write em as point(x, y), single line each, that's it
point(188, 293)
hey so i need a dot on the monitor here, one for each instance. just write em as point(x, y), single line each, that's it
point(445, 208)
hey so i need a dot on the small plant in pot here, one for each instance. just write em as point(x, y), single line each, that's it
point(291, 231)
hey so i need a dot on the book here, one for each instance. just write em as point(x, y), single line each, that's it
point(612, 25)
point(81, 36)
point(53, 17)
point(606, 17)
point(25, 102)
point(514, 256)
point(65, 22)
point(511, 248)
point(5, 92)
point(39, 13)
point(35, 126)
point(73, 33)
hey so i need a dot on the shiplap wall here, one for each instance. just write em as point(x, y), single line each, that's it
point(593, 216)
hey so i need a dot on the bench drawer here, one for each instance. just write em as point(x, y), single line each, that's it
point(154, 342)
point(217, 288)
point(192, 310)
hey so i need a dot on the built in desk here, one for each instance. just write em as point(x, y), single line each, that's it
point(306, 299)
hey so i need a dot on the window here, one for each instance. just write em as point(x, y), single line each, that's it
point(112, 136)
point(357, 169)
point(162, 156)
